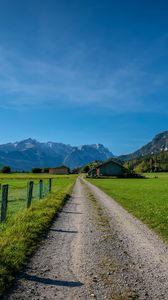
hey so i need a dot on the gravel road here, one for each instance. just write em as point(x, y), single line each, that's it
point(95, 250)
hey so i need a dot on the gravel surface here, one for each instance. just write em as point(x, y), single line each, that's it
point(95, 250)
point(146, 252)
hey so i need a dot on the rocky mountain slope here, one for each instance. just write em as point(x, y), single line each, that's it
point(29, 153)
point(158, 144)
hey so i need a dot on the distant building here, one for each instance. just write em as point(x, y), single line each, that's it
point(62, 170)
point(108, 168)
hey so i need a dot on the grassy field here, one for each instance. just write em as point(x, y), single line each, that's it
point(147, 199)
point(17, 194)
point(32, 176)
point(24, 228)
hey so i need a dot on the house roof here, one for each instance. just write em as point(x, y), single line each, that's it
point(105, 163)
point(60, 167)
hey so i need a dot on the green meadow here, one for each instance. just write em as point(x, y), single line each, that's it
point(24, 228)
point(17, 193)
point(147, 199)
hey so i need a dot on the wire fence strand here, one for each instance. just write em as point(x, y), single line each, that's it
point(18, 194)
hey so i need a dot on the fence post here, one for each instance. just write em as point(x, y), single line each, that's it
point(4, 202)
point(29, 194)
point(40, 188)
point(50, 183)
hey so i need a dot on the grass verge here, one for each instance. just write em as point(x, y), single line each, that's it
point(22, 233)
point(147, 199)
point(17, 192)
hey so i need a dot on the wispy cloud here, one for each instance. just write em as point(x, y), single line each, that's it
point(132, 85)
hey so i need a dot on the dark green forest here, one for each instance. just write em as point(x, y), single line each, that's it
point(150, 163)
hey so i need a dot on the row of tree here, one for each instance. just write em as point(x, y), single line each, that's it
point(7, 169)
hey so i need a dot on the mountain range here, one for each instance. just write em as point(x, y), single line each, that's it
point(29, 153)
point(158, 144)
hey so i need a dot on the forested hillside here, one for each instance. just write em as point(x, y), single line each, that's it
point(150, 163)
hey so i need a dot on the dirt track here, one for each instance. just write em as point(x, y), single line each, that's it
point(95, 249)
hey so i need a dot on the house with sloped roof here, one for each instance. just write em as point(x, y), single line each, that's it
point(108, 168)
point(62, 170)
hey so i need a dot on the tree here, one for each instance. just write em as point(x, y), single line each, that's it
point(85, 169)
point(6, 169)
point(75, 171)
point(36, 170)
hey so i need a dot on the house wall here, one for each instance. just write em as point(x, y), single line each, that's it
point(58, 171)
point(110, 169)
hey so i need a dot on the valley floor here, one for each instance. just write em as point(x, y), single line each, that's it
point(95, 249)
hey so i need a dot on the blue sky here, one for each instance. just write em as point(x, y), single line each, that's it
point(84, 71)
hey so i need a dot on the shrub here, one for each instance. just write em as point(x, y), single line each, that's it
point(6, 169)
point(36, 170)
